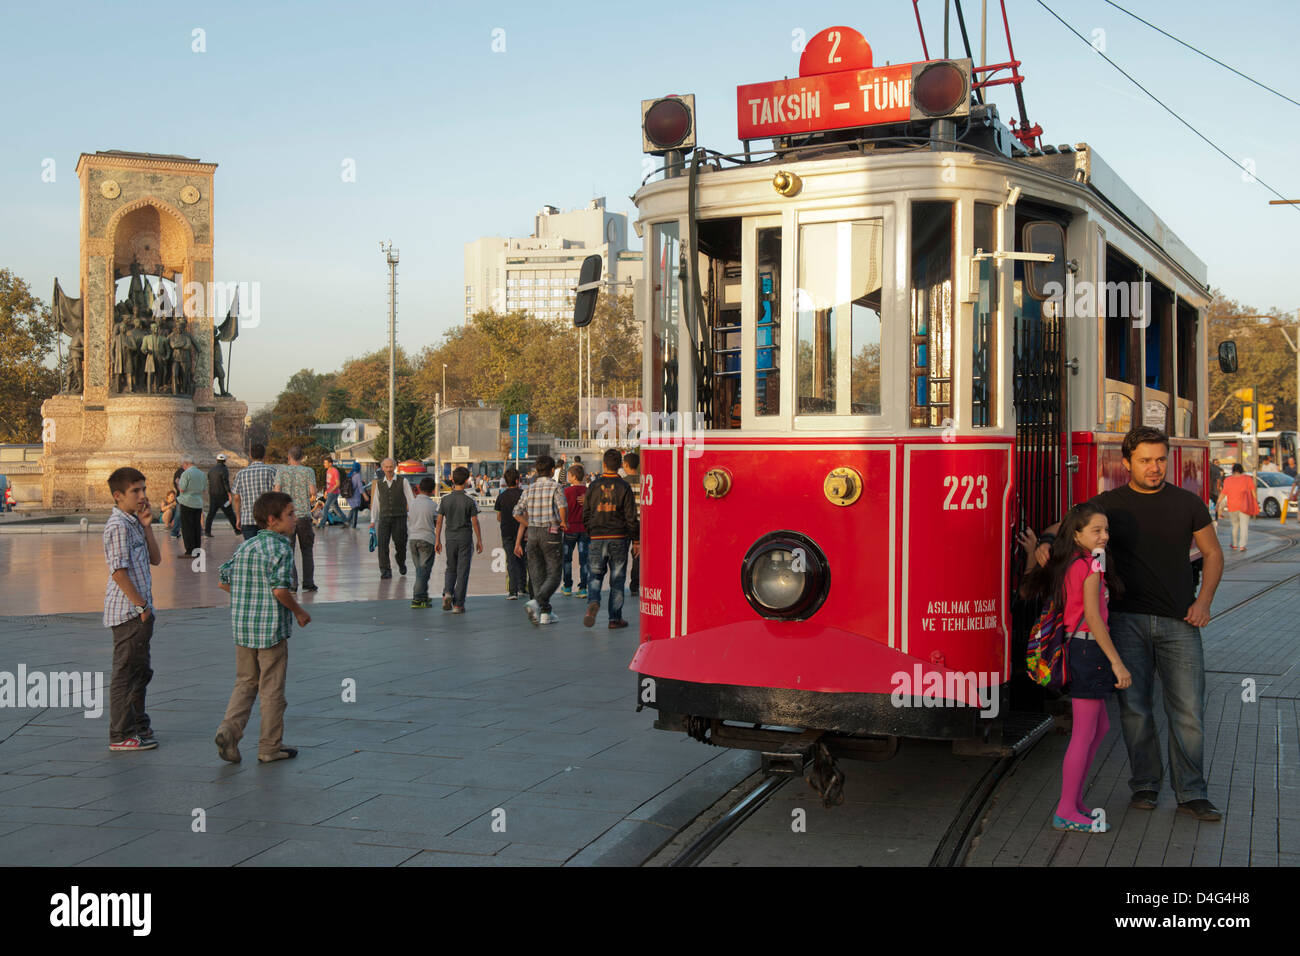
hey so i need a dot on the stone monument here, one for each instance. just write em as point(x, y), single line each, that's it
point(139, 386)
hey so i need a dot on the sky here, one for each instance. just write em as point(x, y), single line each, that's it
point(462, 120)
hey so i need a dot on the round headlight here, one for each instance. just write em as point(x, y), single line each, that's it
point(785, 576)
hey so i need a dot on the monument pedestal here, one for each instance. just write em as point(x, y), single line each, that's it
point(85, 443)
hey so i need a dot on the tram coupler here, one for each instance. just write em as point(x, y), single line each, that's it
point(784, 763)
point(826, 777)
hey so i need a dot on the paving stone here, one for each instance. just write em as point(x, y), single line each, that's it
point(169, 848)
point(43, 844)
point(316, 853)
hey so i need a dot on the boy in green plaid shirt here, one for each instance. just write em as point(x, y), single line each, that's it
point(261, 581)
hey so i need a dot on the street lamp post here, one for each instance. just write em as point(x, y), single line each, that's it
point(390, 254)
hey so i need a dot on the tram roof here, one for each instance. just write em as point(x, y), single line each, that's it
point(1083, 165)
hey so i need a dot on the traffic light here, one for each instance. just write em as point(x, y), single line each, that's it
point(1246, 395)
point(1247, 421)
point(668, 123)
point(1265, 417)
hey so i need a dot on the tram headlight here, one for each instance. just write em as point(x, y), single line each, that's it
point(941, 88)
point(785, 576)
point(667, 123)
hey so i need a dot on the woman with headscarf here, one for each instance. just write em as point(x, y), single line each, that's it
point(354, 493)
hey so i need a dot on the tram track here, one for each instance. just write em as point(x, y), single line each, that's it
point(953, 846)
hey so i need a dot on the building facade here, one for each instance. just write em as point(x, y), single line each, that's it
point(539, 274)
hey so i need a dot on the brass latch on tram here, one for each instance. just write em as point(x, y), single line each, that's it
point(843, 486)
point(717, 482)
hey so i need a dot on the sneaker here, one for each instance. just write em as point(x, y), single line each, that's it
point(401, 569)
point(420, 602)
point(310, 587)
point(531, 608)
point(133, 743)
point(615, 625)
point(385, 575)
point(1144, 800)
point(547, 618)
point(284, 753)
point(589, 619)
point(446, 602)
point(146, 735)
point(512, 597)
point(226, 748)
point(567, 592)
point(582, 593)
point(458, 610)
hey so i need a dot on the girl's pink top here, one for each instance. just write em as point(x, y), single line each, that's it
point(1074, 578)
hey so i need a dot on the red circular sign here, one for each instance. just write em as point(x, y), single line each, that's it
point(835, 50)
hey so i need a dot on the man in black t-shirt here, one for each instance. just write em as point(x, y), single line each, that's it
point(505, 508)
point(1156, 623)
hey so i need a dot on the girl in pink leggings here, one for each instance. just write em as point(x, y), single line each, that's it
point(1079, 577)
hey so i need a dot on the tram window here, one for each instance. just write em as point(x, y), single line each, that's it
point(1185, 320)
point(665, 313)
point(767, 327)
point(932, 307)
point(1159, 353)
point(1121, 297)
point(720, 286)
point(838, 303)
point(983, 341)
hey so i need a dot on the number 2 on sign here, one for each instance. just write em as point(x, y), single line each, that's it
point(969, 483)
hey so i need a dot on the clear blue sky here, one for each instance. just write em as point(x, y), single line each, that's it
point(453, 141)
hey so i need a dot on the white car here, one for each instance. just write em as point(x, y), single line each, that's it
point(1273, 489)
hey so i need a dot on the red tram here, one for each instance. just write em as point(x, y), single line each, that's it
point(873, 353)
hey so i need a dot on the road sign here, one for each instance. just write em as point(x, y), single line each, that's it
point(460, 452)
point(518, 436)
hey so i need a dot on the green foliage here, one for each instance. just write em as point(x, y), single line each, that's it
point(27, 337)
point(413, 437)
point(1265, 362)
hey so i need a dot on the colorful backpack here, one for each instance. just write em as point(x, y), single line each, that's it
point(1049, 649)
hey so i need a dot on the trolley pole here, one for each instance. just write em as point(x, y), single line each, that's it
point(390, 255)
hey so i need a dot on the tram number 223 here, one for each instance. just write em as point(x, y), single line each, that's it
point(967, 485)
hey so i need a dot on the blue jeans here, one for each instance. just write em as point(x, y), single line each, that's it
point(608, 553)
point(1150, 645)
point(249, 530)
point(422, 555)
point(332, 507)
point(582, 542)
point(460, 551)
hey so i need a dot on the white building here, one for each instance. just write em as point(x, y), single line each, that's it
point(539, 273)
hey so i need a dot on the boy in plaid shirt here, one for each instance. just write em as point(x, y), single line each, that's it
point(261, 581)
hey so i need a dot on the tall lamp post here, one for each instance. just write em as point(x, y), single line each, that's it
point(390, 254)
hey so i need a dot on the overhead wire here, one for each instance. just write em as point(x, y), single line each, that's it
point(1209, 142)
point(1203, 53)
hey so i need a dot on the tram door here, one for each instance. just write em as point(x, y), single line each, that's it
point(1038, 380)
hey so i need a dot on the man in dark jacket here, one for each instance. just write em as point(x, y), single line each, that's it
point(609, 513)
point(219, 497)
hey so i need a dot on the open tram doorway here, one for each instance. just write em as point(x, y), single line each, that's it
point(1038, 399)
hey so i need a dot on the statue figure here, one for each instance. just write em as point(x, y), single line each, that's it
point(135, 336)
point(182, 364)
point(76, 354)
point(218, 367)
point(121, 358)
point(155, 360)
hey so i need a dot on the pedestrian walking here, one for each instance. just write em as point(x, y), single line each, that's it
point(540, 512)
point(390, 500)
point(219, 496)
point(1156, 624)
point(516, 572)
point(355, 490)
point(299, 482)
point(421, 532)
point(1081, 584)
point(457, 516)
point(632, 475)
point(1239, 498)
point(575, 535)
point(129, 550)
point(250, 484)
point(190, 486)
point(333, 487)
point(610, 516)
point(260, 579)
point(176, 488)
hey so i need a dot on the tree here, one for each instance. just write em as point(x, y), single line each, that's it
point(414, 435)
point(259, 432)
point(27, 337)
point(291, 422)
point(310, 384)
point(336, 405)
point(1265, 363)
